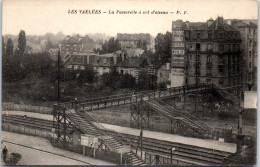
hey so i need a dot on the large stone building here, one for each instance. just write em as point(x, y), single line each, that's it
point(248, 31)
point(76, 44)
point(206, 52)
point(134, 40)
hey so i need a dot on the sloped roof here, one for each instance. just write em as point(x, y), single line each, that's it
point(219, 24)
point(196, 26)
point(132, 62)
point(216, 25)
point(134, 52)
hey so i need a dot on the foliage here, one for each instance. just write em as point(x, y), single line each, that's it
point(127, 81)
point(15, 68)
point(146, 82)
point(163, 46)
point(81, 76)
point(9, 47)
point(3, 47)
point(110, 46)
point(111, 80)
point(142, 44)
point(115, 80)
point(21, 42)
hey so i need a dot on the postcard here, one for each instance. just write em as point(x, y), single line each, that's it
point(129, 82)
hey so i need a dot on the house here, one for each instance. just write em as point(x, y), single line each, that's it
point(132, 65)
point(79, 61)
point(76, 44)
point(104, 63)
point(163, 73)
point(132, 40)
point(133, 52)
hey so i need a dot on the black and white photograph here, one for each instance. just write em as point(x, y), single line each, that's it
point(129, 82)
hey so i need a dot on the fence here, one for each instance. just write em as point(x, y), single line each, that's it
point(24, 107)
point(26, 130)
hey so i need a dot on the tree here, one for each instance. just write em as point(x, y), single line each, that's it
point(49, 44)
point(127, 81)
point(163, 44)
point(9, 47)
point(3, 46)
point(85, 76)
point(111, 45)
point(111, 79)
point(21, 42)
point(142, 44)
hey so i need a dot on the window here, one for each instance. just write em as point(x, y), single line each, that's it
point(197, 81)
point(220, 82)
point(209, 35)
point(221, 47)
point(187, 34)
point(208, 81)
point(198, 46)
point(250, 65)
point(209, 46)
point(208, 59)
point(221, 34)
point(250, 43)
point(234, 47)
point(198, 35)
point(249, 54)
point(190, 57)
point(105, 60)
point(191, 46)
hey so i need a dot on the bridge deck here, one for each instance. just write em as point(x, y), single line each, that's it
point(116, 100)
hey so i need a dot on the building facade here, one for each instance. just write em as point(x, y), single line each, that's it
point(248, 31)
point(76, 44)
point(205, 53)
point(79, 61)
point(133, 40)
point(104, 63)
point(133, 65)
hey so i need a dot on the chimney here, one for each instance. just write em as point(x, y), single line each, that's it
point(187, 24)
point(210, 21)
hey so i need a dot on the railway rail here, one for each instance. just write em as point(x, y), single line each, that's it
point(183, 153)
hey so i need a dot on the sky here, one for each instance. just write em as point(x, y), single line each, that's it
point(38, 17)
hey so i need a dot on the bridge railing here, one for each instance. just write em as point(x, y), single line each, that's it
point(115, 100)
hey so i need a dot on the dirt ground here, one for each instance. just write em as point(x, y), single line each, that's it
point(39, 151)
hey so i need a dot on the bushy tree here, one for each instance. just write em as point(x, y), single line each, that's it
point(110, 80)
point(9, 47)
point(85, 76)
point(163, 44)
point(146, 82)
point(110, 46)
point(127, 81)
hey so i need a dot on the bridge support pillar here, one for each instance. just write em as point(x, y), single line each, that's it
point(140, 116)
point(62, 125)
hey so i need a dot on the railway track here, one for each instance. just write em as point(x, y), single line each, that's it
point(185, 153)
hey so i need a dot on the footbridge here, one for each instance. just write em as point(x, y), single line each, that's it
point(71, 115)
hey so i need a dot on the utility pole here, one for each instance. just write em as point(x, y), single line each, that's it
point(58, 77)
